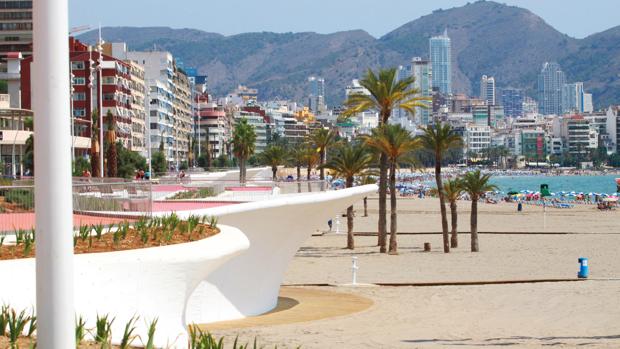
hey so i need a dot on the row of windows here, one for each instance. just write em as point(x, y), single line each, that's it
point(15, 15)
point(15, 26)
point(15, 4)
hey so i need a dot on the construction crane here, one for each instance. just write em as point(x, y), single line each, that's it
point(79, 29)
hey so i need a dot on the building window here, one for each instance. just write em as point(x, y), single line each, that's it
point(80, 96)
point(79, 80)
point(108, 80)
point(108, 96)
point(15, 4)
point(79, 112)
point(77, 65)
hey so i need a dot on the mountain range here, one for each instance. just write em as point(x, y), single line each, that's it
point(507, 42)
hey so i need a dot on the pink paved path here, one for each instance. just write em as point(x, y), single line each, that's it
point(12, 221)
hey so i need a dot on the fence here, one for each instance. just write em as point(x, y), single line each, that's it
point(107, 201)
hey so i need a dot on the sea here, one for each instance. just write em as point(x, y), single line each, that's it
point(568, 183)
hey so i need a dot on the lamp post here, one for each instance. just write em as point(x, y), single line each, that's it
point(53, 201)
point(100, 100)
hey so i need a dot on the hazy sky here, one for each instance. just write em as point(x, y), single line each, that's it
point(577, 18)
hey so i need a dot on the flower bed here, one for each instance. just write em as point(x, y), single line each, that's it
point(151, 232)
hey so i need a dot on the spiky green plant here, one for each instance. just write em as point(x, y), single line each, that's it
point(103, 330)
point(128, 336)
point(16, 322)
point(80, 329)
point(84, 232)
point(99, 231)
point(151, 334)
point(213, 221)
point(28, 244)
point(32, 325)
point(4, 319)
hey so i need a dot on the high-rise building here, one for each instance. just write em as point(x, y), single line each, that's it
point(551, 81)
point(15, 28)
point(316, 99)
point(441, 61)
point(572, 98)
point(422, 72)
point(588, 107)
point(487, 89)
point(512, 100)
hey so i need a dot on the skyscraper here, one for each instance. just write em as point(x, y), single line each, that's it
point(551, 80)
point(487, 89)
point(422, 72)
point(316, 99)
point(441, 62)
point(512, 100)
point(572, 98)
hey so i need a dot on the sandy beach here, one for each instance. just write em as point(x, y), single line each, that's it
point(514, 246)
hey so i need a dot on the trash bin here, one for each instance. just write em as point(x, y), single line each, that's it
point(583, 268)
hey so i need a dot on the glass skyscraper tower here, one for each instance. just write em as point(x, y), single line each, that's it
point(551, 80)
point(441, 62)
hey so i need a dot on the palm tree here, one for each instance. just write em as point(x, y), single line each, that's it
point(311, 159)
point(438, 139)
point(452, 190)
point(274, 156)
point(297, 158)
point(322, 138)
point(94, 145)
point(244, 145)
point(385, 94)
point(396, 144)
point(112, 153)
point(347, 162)
point(476, 184)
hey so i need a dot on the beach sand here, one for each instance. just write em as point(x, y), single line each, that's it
point(523, 315)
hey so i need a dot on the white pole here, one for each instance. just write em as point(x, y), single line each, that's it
point(53, 202)
point(354, 269)
point(147, 109)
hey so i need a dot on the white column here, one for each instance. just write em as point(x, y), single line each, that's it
point(54, 243)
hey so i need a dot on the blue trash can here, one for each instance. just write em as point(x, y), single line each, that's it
point(583, 268)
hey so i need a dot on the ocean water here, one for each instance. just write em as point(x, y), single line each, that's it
point(586, 184)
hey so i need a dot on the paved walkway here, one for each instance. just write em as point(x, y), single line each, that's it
point(300, 305)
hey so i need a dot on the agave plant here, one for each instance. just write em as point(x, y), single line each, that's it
point(98, 230)
point(16, 323)
point(32, 325)
point(151, 334)
point(84, 232)
point(128, 336)
point(4, 319)
point(103, 330)
point(80, 329)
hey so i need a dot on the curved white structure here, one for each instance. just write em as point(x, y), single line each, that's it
point(249, 283)
point(152, 283)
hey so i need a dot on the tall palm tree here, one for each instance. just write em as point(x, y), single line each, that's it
point(348, 161)
point(244, 145)
point(112, 153)
point(476, 184)
point(297, 158)
point(397, 145)
point(322, 138)
point(311, 160)
point(94, 144)
point(438, 139)
point(452, 190)
point(385, 94)
point(274, 156)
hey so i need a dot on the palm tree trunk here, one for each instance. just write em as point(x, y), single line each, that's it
point(308, 179)
point(382, 224)
point(366, 207)
point(474, 224)
point(299, 179)
point(454, 240)
point(393, 243)
point(350, 236)
point(322, 170)
point(442, 205)
point(274, 171)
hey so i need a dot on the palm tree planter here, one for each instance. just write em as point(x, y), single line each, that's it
point(386, 93)
point(439, 139)
point(476, 184)
point(347, 162)
point(397, 144)
point(153, 282)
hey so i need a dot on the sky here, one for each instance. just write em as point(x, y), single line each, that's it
point(577, 18)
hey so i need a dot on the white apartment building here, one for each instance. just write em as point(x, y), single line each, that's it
point(477, 138)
